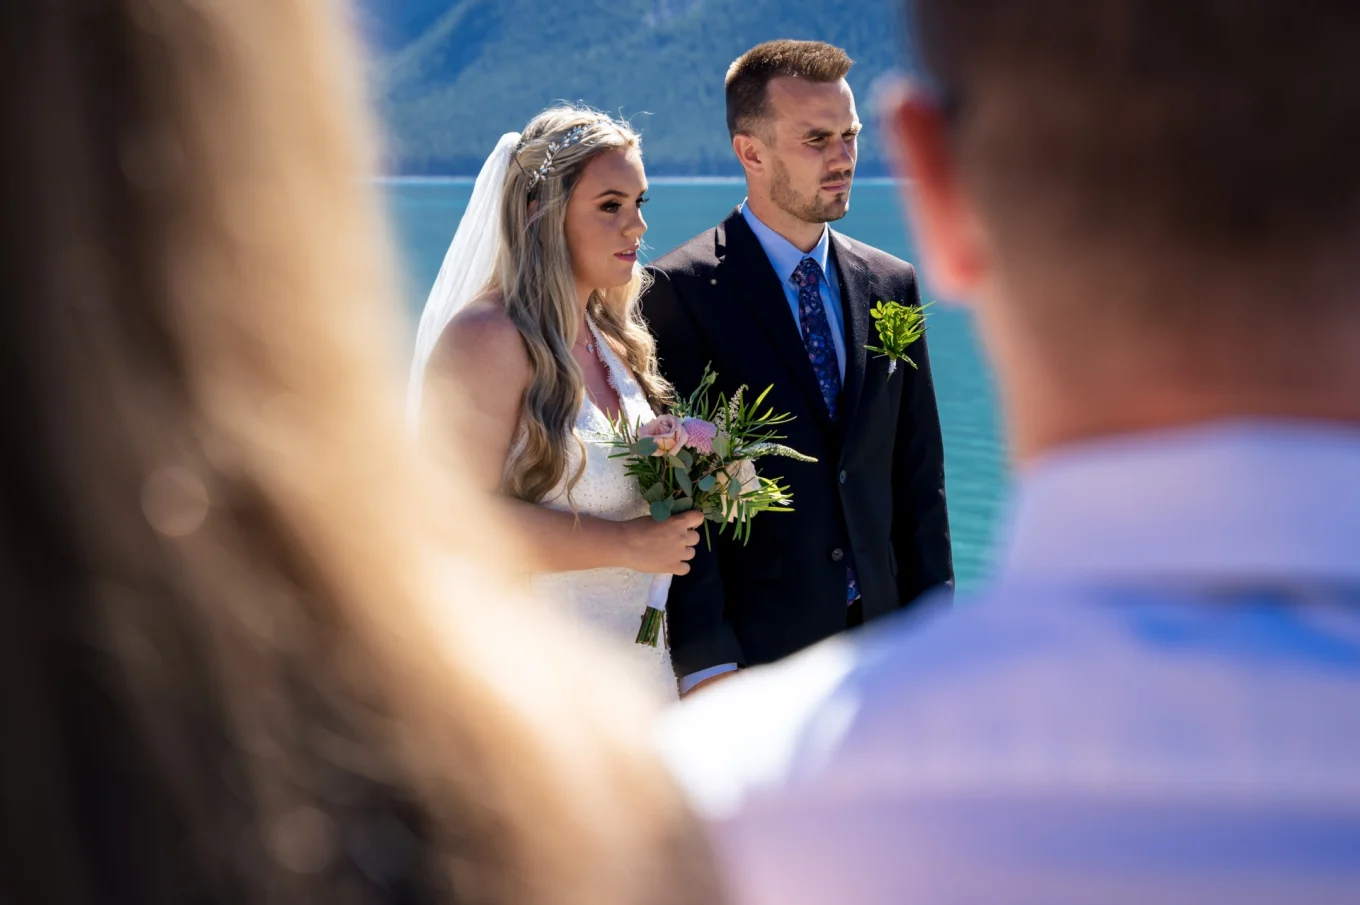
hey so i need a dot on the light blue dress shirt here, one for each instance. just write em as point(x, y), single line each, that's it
point(785, 257)
point(1156, 700)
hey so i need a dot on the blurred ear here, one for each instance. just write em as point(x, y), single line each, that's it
point(944, 223)
point(750, 153)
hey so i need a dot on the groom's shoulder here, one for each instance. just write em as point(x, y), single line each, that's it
point(879, 261)
point(693, 259)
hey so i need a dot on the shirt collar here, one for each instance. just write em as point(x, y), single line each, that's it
point(1243, 500)
point(783, 254)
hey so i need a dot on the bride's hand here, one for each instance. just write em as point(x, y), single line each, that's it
point(661, 547)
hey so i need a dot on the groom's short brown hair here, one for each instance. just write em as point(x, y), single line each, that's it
point(1228, 126)
point(751, 74)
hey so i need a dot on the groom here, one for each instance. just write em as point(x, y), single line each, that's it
point(771, 296)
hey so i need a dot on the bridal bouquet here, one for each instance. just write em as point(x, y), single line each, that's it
point(701, 455)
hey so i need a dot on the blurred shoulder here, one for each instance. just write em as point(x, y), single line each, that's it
point(895, 753)
point(914, 703)
point(898, 694)
point(755, 734)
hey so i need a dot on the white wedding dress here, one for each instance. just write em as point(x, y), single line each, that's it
point(610, 601)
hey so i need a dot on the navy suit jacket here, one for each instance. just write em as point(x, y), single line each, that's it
point(876, 491)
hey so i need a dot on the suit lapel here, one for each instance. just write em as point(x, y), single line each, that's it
point(857, 290)
point(754, 276)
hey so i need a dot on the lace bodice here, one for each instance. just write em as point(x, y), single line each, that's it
point(604, 489)
point(610, 600)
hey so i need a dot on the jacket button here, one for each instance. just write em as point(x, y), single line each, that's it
point(713, 282)
point(842, 476)
point(837, 555)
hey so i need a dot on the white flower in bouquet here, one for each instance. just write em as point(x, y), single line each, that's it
point(743, 472)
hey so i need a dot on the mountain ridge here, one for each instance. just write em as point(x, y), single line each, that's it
point(448, 77)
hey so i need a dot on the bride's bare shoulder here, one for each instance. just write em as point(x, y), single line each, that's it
point(481, 339)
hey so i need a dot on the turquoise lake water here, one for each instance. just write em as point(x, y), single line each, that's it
point(426, 213)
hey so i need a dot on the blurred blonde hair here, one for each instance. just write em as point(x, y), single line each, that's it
point(535, 282)
point(245, 671)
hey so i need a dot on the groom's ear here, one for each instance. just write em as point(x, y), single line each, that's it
point(750, 152)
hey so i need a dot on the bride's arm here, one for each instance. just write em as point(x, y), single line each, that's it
point(476, 383)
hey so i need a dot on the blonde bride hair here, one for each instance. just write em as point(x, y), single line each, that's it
point(535, 283)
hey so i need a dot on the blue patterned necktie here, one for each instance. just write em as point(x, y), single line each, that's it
point(821, 351)
point(817, 332)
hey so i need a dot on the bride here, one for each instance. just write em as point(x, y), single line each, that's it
point(534, 318)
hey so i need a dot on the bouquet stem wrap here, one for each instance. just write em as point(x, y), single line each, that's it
point(649, 633)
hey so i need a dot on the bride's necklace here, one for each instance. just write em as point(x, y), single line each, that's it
point(589, 337)
point(589, 343)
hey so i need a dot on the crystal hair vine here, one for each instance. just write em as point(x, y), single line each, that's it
point(570, 137)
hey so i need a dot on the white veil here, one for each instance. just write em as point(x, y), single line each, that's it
point(468, 266)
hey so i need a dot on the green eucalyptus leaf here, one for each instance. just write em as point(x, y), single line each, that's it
point(661, 510)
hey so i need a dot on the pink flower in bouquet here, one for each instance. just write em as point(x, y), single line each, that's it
point(701, 434)
point(668, 431)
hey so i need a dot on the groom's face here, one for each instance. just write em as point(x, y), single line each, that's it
point(812, 139)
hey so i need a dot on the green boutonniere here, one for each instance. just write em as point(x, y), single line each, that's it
point(898, 327)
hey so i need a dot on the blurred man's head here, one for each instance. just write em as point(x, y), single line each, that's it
point(795, 130)
point(1156, 204)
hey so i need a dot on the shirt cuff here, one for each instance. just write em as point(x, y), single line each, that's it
point(695, 678)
